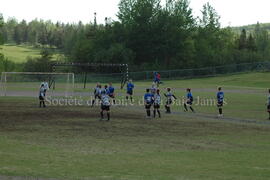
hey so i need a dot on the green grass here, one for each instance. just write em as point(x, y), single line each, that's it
point(70, 142)
point(20, 53)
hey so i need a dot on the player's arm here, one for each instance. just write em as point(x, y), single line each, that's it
point(174, 96)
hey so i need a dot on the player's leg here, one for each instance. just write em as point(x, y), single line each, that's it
point(167, 107)
point(185, 106)
point(108, 113)
point(127, 97)
point(94, 100)
point(40, 102)
point(158, 111)
point(220, 109)
point(190, 106)
point(101, 113)
point(113, 97)
point(131, 96)
point(154, 111)
point(148, 112)
point(43, 102)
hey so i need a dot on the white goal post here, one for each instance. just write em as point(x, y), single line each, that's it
point(27, 84)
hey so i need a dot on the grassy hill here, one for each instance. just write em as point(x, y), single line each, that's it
point(20, 53)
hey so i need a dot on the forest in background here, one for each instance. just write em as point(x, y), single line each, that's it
point(147, 36)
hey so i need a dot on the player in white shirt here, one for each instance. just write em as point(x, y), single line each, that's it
point(105, 105)
point(157, 102)
point(42, 92)
point(153, 88)
point(97, 93)
point(45, 86)
point(169, 96)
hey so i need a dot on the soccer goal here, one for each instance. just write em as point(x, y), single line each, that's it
point(27, 84)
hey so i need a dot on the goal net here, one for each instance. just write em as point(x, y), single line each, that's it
point(27, 84)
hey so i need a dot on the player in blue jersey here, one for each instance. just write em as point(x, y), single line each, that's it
point(189, 101)
point(105, 105)
point(148, 101)
point(157, 102)
point(169, 95)
point(42, 92)
point(130, 87)
point(220, 100)
point(106, 89)
point(97, 93)
point(111, 92)
point(268, 103)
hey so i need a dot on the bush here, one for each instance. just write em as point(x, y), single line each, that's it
point(6, 65)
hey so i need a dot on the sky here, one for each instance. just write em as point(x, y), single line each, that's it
point(232, 12)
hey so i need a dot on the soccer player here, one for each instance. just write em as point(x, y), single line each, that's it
point(106, 89)
point(220, 99)
point(268, 103)
point(169, 95)
point(153, 88)
point(157, 78)
point(105, 105)
point(111, 92)
point(130, 87)
point(157, 102)
point(42, 96)
point(45, 86)
point(148, 101)
point(189, 101)
point(97, 93)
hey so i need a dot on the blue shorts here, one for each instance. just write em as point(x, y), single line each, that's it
point(130, 92)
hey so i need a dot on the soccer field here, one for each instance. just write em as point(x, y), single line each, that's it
point(68, 142)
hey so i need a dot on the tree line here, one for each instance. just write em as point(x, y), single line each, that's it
point(147, 36)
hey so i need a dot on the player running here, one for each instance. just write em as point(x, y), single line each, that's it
point(42, 92)
point(169, 95)
point(148, 101)
point(189, 101)
point(105, 105)
point(130, 87)
point(220, 99)
point(111, 92)
point(268, 103)
point(97, 93)
point(157, 102)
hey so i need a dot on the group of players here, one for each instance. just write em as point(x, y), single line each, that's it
point(152, 98)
